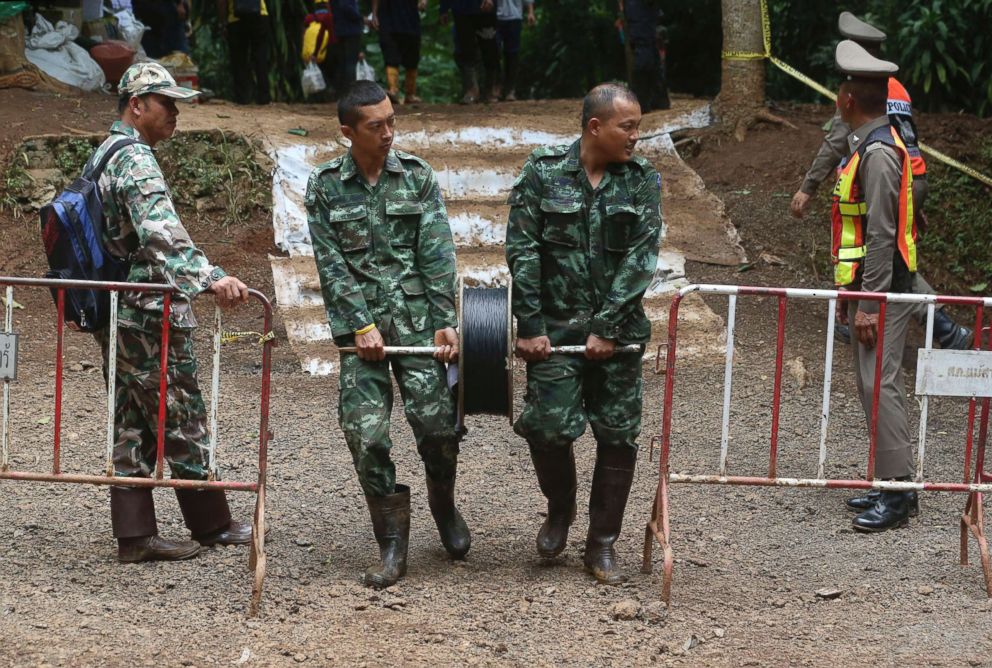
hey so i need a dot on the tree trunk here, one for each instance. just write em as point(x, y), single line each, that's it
point(741, 102)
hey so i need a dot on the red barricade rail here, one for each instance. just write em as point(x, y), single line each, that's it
point(975, 482)
point(256, 562)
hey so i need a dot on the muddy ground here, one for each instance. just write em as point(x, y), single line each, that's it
point(749, 562)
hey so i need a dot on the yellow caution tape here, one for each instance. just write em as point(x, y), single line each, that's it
point(231, 337)
point(766, 33)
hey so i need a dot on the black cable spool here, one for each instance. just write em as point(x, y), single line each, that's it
point(485, 384)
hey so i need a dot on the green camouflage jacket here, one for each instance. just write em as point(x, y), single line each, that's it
point(384, 252)
point(582, 258)
point(141, 224)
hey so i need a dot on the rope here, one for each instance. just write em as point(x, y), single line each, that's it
point(231, 337)
point(483, 354)
point(766, 36)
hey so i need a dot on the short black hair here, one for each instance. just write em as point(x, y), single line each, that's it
point(870, 94)
point(122, 103)
point(599, 102)
point(359, 94)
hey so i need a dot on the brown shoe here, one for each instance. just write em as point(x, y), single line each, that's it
point(236, 533)
point(155, 548)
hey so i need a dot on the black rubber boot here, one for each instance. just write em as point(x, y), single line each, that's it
point(132, 514)
point(556, 476)
point(610, 488)
point(859, 504)
point(451, 526)
point(891, 510)
point(391, 526)
point(949, 334)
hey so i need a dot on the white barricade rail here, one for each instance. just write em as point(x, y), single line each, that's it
point(939, 373)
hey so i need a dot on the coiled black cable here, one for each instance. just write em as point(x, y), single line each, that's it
point(485, 339)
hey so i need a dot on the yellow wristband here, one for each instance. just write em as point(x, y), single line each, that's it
point(365, 330)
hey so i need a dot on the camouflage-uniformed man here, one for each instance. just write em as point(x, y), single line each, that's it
point(142, 225)
point(582, 246)
point(834, 149)
point(386, 261)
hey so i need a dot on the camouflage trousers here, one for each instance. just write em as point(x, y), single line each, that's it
point(137, 398)
point(564, 391)
point(365, 402)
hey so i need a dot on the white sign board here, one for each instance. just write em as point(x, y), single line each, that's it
point(8, 356)
point(954, 373)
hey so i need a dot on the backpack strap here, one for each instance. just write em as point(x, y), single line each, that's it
point(94, 173)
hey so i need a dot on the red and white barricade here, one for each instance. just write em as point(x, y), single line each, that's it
point(8, 372)
point(966, 374)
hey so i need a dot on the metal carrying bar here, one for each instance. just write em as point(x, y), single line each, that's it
point(431, 350)
point(257, 562)
point(975, 484)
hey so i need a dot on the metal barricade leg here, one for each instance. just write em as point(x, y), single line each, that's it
point(256, 560)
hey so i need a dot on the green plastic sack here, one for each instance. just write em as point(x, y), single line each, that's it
point(9, 9)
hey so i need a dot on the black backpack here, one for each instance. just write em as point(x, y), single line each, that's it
point(72, 231)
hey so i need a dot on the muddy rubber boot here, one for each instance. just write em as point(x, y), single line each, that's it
point(410, 88)
point(556, 476)
point(391, 526)
point(949, 334)
point(132, 514)
point(470, 85)
point(610, 487)
point(393, 84)
point(208, 518)
point(454, 533)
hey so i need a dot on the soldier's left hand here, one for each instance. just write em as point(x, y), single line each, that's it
point(229, 291)
point(599, 349)
point(446, 340)
point(866, 328)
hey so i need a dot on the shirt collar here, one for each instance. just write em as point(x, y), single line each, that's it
point(858, 137)
point(122, 128)
point(573, 163)
point(349, 168)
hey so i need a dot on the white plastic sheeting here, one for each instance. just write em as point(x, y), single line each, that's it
point(52, 50)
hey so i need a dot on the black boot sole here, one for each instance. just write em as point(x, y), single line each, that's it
point(898, 525)
point(913, 512)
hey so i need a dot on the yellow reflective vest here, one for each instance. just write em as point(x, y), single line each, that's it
point(849, 209)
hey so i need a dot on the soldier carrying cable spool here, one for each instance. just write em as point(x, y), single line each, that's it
point(386, 262)
point(582, 247)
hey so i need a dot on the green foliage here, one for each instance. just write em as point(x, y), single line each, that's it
point(574, 46)
point(437, 80)
point(13, 181)
point(214, 171)
point(957, 242)
point(209, 51)
point(71, 155)
point(945, 50)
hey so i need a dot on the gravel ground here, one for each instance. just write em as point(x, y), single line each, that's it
point(748, 561)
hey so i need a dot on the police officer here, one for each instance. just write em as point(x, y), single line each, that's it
point(386, 261)
point(582, 247)
point(141, 224)
point(834, 147)
point(875, 251)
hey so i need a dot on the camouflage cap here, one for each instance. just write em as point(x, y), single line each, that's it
point(144, 78)
point(851, 27)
